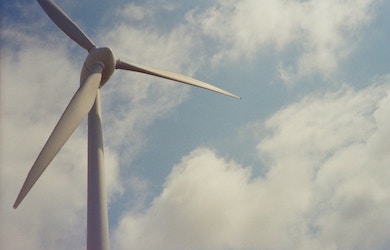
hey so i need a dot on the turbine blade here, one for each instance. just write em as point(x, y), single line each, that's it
point(73, 115)
point(66, 24)
point(171, 76)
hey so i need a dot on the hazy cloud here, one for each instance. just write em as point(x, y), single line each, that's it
point(326, 186)
point(38, 80)
point(321, 33)
point(138, 100)
point(327, 154)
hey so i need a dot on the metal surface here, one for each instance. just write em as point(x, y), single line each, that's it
point(97, 215)
point(171, 76)
point(66, 24)
point(73, 115)
point(99, 65)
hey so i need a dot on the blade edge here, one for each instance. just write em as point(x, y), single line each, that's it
point(63, 130)
point(66, 24)
point(172, 76)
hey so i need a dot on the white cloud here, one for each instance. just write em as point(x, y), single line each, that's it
point(134, 12)
point(322, 32)
point(207, 201)
point(139, 100)
point(145, 12)
point(38, 80)
point(326, 187)
point(331, 142)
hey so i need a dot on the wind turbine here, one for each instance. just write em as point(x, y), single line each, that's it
point(99, 65)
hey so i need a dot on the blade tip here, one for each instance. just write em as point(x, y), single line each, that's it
point(235, 96)
point(18, 200)
point(16, 204)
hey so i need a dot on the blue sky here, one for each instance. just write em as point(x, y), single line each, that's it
point(301, 162)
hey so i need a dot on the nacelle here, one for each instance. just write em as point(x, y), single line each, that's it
point(105, 57)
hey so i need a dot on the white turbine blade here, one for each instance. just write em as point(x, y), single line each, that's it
point(66, 24)
point(73, 115)
point(171, 76)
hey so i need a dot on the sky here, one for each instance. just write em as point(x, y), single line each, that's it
point(300, 162)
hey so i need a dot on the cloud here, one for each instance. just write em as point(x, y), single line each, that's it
point(326, 187)
point(314, 36)
point(311, 195)
point(38, 79)
point(331, 143)
point(139, 100)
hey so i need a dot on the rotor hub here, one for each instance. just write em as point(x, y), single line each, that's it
point(103, 56)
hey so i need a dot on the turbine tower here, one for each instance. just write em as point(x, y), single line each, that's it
point(99, 65)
